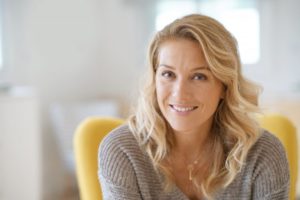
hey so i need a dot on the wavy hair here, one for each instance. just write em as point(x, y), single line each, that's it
point(235, 128)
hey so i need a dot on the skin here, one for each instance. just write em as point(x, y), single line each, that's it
point(188, 95)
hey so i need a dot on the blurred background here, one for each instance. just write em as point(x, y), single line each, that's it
point(64, 60)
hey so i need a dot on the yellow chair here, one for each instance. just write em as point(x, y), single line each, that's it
point(91, 131)
point(86, 141)
point(284, 129)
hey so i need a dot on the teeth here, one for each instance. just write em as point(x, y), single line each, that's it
point(183, 109)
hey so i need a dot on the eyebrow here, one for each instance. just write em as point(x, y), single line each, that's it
point(203, 67)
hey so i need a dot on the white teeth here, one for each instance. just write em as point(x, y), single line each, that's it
point(183, 109)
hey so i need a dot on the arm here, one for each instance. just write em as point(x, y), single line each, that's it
point(116, 173)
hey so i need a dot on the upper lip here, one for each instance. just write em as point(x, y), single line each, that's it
point(182, 106)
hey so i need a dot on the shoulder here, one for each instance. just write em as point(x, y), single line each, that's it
point(268, 165)
point(121, 136)
point(268, 148)
point(119, 141)
point(116, 156)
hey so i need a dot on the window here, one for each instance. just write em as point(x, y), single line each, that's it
point(1, 44)
point(241, 18)
point(167, 11)
point(1, 59)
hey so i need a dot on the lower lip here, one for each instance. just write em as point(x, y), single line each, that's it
point(181, 113)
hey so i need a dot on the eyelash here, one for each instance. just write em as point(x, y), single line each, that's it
point(169, 74)
point(202, 76)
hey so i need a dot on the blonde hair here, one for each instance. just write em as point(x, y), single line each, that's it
point(234, 127)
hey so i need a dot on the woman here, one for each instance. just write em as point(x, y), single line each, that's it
point(194, 134)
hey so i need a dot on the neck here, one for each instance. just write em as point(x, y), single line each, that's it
point(190, 144)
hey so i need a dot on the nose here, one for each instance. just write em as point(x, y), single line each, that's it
point(181, 90)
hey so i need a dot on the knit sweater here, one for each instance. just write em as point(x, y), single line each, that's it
point(126, 172)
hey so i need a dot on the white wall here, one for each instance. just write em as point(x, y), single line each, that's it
point(279, 67)
point(73, 50)
point(74, 45)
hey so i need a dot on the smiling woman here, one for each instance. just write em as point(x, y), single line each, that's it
point(193, 134)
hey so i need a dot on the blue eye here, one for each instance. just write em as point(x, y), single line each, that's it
point(199, 76)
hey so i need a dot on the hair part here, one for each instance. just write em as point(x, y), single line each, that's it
point(235, 128)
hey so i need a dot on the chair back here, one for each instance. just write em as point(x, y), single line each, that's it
point(91, 131)
point(86, 141)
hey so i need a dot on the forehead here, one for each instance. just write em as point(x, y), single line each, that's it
point(181, 51)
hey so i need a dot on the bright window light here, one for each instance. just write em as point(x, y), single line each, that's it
point(241, 18)
point(1, 48)
point(167, 11)
point(246, 31)
point(1, 61)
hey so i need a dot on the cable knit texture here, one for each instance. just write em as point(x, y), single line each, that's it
point(126, 172)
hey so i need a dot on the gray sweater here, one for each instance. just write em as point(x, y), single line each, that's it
point(126, 172)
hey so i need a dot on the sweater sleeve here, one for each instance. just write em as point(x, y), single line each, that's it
point(115, 171)
point(271, 174)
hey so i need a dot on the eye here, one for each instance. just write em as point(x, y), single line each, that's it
point(199, 76)
point(167, 74)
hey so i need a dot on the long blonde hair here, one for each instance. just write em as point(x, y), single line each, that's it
point(234, 127)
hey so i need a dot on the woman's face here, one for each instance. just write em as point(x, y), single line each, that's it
point(187, 92)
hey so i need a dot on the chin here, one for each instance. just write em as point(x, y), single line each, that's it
point(181, 127)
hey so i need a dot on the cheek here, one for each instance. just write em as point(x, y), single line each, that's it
point(215, 100)
point(211, 97)
point(161, 88)
point(161, 93)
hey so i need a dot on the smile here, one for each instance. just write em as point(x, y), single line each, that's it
point(182, 108)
